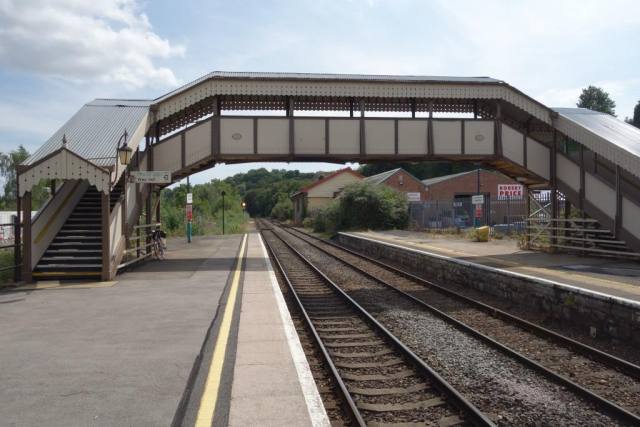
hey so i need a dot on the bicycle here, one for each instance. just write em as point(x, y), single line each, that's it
point(158, 246)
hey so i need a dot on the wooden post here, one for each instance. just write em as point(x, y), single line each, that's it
point(17, 233)
point(148, 218)
point(617, 225)
point(363, 148)
point(554, 190)
point(26, 227)
point(158, 207)
point(528, 223)
point(106, 236)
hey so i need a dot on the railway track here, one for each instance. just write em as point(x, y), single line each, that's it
point(379, 381)
point(610, 384)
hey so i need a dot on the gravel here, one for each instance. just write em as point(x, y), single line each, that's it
point(493, 382)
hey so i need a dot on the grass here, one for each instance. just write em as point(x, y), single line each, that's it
point(6, 260)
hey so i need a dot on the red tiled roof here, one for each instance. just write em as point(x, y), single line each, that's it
point(333, 175)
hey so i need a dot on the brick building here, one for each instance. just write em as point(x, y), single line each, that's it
point(402, 181)
point(465, 184)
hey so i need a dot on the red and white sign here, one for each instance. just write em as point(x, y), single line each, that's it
point(512, 191)
point(189, 212)
point(478, 211)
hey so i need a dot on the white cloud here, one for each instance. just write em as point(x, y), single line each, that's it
point(109, 41)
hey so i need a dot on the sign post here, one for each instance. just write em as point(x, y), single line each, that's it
point(478, 200)
point(189, 212)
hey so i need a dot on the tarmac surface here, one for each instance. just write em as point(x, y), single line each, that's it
point(111, 354)
point(620, 278)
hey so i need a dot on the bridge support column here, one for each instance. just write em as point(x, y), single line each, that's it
point(554, 189)
point(26, 237)
point(106, 236)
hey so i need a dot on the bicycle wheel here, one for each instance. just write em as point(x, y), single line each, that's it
point(161, 250)
point(156, 249)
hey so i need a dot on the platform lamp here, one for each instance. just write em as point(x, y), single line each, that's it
point(123, 152)
point(224, 193)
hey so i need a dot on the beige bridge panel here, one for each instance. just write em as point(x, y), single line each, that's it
point(309, 136)
point(600, 195)
point(412, 136)
point(379, 136)
point(236, 136)
point(273, 136)
point(447, 137)
point(479, 136)
point(167, 156)
point(344, 136)
point(513, 145)
point(538, 158)
point(568, 172)
point(198, 143)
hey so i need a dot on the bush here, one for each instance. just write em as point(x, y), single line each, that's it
point(364, 206)
point(283, 210)
point(307, 223)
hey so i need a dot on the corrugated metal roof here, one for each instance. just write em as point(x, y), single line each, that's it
point(329, 77)
point(606, 126)
point(439, 179)
point(93, 132)
point(381, 177)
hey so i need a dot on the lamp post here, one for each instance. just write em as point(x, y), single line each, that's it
point(244, 210)
point(224, 193)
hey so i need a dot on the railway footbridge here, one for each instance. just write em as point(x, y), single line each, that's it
point(87, 225)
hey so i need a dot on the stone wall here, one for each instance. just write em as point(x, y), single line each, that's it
point(606, 316)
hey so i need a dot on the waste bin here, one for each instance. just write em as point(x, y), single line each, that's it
point(483, 234)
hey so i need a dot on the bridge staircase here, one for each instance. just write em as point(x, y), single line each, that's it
point(76, 251)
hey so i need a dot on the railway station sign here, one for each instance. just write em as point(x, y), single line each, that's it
point(189, 198)
point(511, 191)
point(189, 212)
point(151, 177)
point(478, 211)
point(477, 200)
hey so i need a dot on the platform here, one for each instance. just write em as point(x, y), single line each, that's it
point(145, 349)
point(620, 278)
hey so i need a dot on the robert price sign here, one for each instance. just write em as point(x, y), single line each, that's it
point(511, 191)
point(149, 177)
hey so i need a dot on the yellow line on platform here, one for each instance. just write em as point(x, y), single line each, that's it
point(210, 394)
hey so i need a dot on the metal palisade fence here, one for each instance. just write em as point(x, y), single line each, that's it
point(503, 215)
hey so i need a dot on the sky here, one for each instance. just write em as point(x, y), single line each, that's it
point(56, 55)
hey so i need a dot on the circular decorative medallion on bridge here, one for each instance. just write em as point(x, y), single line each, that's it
point(236, 136)
point(479, 138)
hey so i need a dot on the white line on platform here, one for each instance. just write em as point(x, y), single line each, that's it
point(315, 406)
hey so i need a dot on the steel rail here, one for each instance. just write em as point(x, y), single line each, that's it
point(609, 407)
point(600, 356)
point(348, 403)
point(466, 408)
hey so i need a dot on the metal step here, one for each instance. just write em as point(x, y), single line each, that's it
point(79, 232)
point(93, 238)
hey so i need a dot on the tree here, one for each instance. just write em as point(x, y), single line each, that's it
point(595, 98)
point(635, 120)
point(8, 164)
